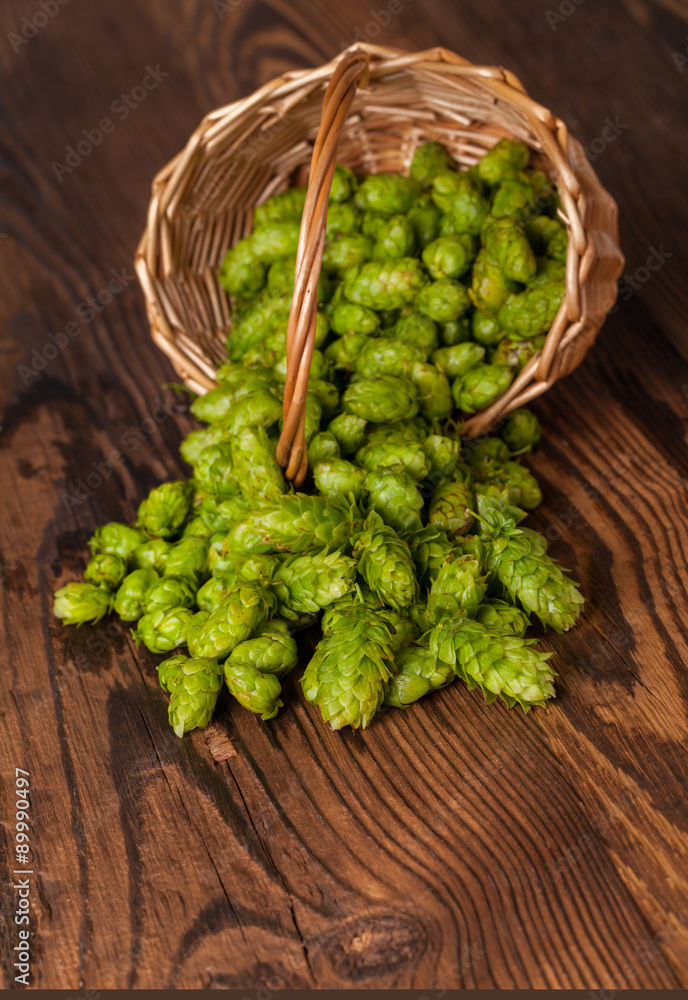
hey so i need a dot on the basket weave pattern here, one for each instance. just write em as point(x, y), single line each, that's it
point(202, 201)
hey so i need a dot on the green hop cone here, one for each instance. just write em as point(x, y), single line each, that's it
point(419, 671)
point(349, 318)
point(416, 330)
point(339, 478)
point(214, 590)
point(327, 396)
point(296, 523)
point(382, 356)
point(384, 399)
point(458, 588)
point(214, 470)
point(343, 351)
point(385, 563)
point(170, 592)
point(428, 161)
point(285, 205)
point(170, 672)
point(490, 288)
point(507, 245)
point(116, 540)
point(502, 666)
point(480, 387)
point(165, 509)
point(258, 692)
point(77, 603)
point(547, 237)
point(323, 447)
point(548, 271)
point(485, 329)
point(457, 360)
point(344, 185)
point(443, 455)
point(483, 454)
point(196, 528)
point(241, 273)
point(347, 676)
point(443, 300)
point(129, 602)
point(407, 456)
point(256, 409)
point(395, 496)
point(518, 558)
point(503, 617)
point(275, 239)
point(262, 319)
point(195, 626)
point(532, 312)
point(397, 433)
point(306, 584)
point(425, 217)
point(344, 217)
point(197, 441)
point(446, 257)
point(255, 466)
point(451, 508)
point(349, 430)
point(434, 391)
point(514, 198)
point(188, 559)
point(345, 251)
point(522, 430)
point(430, 548)
point(272, 650)
point(385, 284)
point(234, 620)
point(506, 157)
point(457, 331)
point(515, 354)
point(524, 489)
point(458, 196)
point(106, 570)
point(163, 630)
point(195, 695)
point(396, 238)
point(386, 193)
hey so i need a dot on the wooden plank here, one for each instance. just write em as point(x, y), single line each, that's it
point(451, 845)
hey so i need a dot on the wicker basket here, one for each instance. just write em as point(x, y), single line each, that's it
point(203, 200)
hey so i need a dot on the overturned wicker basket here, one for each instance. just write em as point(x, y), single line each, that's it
point(369, 109)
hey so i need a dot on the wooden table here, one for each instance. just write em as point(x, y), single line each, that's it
point(451, 845)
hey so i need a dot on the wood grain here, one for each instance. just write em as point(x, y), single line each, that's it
point(450, 845)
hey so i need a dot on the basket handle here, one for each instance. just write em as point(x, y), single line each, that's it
point(291, 448)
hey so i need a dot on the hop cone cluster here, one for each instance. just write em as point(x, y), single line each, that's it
point(406, 543)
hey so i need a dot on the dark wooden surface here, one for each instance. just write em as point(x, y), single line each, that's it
point(454, 844)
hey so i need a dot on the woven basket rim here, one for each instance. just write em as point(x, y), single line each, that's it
point(594, 261)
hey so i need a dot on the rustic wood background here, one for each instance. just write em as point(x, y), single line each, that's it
point(451, 845)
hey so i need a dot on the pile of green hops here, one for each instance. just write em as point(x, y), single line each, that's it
point(406, 547)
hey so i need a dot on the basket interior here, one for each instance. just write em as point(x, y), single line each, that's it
point(245, 157)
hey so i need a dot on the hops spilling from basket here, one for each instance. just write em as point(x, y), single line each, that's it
point(407, 547)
